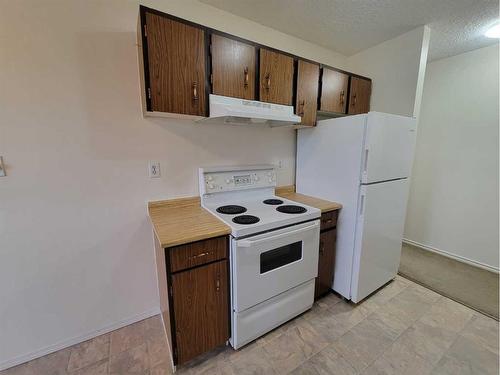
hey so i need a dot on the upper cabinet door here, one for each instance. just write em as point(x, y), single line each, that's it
point(233, 68)
point(307, 92)
point(176, 56)
point(276, 77)
point(333, 91)
point(359, 97)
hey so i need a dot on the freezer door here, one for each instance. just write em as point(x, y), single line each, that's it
point(388, 148)
point(379, 232)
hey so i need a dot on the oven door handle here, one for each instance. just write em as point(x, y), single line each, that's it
point(249, 243)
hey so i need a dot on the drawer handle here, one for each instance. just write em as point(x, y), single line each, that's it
point(354, 101)
point(342, 97)
point(327, 221)
point(200, 255)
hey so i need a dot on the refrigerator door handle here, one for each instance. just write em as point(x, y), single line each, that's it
point(362, 205)
point(365, 166)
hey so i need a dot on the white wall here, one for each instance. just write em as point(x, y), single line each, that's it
point(453, 206)
point(76, 251)
point(397, 68)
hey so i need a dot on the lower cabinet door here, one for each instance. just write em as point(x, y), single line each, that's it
point(326, 262)
point(200, 304)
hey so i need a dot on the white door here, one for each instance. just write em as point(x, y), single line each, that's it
point(272, 263)
point(379, 232)
point(389, 147)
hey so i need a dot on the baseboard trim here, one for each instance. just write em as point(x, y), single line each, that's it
point(78, 339)
point(458, 258)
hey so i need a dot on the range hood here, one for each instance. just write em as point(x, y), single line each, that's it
point(226, 110)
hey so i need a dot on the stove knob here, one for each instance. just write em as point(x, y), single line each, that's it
point(270, 180)
point(228, 181)
point(210, 178)
point(257, 178)
point(211, 186)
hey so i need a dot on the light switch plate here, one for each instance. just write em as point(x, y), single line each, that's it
point(2, 168)
point(154, 169)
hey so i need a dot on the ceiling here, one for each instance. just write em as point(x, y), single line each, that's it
point(349, 26)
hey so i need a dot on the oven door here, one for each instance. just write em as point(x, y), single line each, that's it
point(271, 263)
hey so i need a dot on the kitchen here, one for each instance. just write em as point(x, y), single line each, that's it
point(111, 139)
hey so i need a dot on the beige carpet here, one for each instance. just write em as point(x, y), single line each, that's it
point(472, 286)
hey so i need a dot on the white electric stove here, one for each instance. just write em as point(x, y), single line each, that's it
point(273, 252)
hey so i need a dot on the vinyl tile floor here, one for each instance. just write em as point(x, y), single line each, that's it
point(404, 328)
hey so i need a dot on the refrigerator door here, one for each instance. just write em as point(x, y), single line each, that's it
point(388, 148)
point(328, 167)
point(379, 232)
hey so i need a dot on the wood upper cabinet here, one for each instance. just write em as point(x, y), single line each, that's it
point(200, 309)
point(182, 62)
point(326, 263)
point(276, 77)
point(176, 62)
point(334, 87)
point(233, 68)
point(307, 92)
point(359, 97)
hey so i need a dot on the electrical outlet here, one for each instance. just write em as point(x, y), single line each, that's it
point(2, 168)
point(154, 169)
point(280, 164)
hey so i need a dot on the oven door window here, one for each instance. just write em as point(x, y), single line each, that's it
point(281, 256)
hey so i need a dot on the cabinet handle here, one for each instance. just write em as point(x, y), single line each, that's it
point(268, 81)
point(195, 91)
point(342, 97)
point(302, 103)
point(217, 283)
point(321, 247)
point(354, 101)
point(245, 72)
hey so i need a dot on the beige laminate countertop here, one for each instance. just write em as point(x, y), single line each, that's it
point(183, 220)
point(180, 221)
point(288, 192)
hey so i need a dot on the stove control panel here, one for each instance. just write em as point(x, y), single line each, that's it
point(221, 181)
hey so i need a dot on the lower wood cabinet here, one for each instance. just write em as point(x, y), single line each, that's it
point(200, 301)
point(194, 296)
point(326, 262)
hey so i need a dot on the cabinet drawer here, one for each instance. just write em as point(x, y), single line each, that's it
point(197, 253)
point(329, 220)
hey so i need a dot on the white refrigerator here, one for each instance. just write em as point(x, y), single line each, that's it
point(362, 162)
